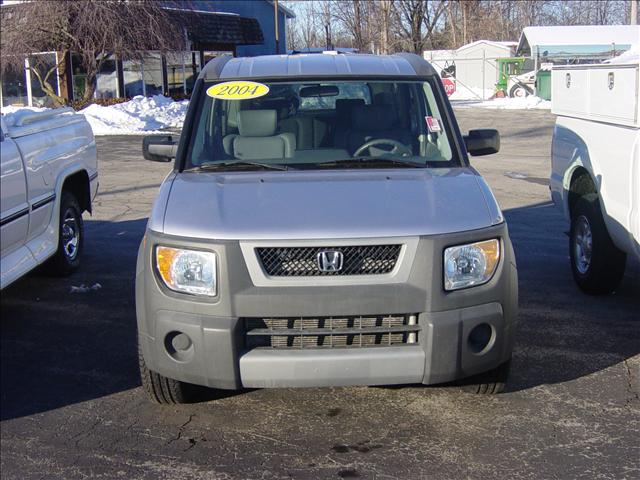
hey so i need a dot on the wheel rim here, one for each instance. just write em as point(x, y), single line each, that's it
point(583, 244)
point(70, 234)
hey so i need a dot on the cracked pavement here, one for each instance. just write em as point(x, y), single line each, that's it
point(72, 406)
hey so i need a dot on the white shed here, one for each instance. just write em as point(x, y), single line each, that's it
point(476, 70)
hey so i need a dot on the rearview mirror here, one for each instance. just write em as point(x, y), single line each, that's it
point(482, 142)
point(319, 91)
point(159, 148)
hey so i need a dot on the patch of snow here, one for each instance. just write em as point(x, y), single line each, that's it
point(138, 115)
point(84, 289)
point(519, 103)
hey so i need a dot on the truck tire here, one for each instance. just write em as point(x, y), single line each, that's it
point(66, 260)
point(487, 383)
point(161, 389)
point(596, 263)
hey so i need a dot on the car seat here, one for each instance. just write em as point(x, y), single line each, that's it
point(257, 138)
point(344, 111)
point(375, 121)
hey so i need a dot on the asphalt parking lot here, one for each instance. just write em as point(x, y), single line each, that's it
point(72, 406)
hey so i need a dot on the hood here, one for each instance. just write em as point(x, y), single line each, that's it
point(328, 204)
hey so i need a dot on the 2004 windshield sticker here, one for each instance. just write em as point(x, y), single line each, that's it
point(237, 90)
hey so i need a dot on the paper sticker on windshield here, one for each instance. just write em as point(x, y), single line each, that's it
point(239, 90)
point(433, 124)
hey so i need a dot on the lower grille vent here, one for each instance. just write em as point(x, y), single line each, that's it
point(332, 332)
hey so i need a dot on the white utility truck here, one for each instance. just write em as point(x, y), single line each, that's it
point(595, 175)
point(48, 178)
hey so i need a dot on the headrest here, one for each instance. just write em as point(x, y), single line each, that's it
point(373, 117)
point(257, 123)
point(344, 105)
point(285, 107)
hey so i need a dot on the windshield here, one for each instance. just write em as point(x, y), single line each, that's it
point(311, 125)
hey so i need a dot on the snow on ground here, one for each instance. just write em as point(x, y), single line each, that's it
point(138, 115)
point(468, 97)
point(519, 103)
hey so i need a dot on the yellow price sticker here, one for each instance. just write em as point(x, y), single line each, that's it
point(239, 90)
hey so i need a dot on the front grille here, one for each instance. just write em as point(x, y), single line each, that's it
point(304, 262)
point(332, 332)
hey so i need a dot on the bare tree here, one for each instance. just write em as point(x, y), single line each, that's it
point(417, 21)
point(352, 14)
point(386, 12)
point(412, 14)
point(434, 14)
point(92, 29)
point(306, 24)
point(325, 16)
point(392, 25)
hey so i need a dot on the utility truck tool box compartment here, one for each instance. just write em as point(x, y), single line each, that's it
point(602, 93)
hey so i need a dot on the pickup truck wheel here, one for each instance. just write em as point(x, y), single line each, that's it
point(66, 260)
point(597, 264)
point(487, 383)
point(161, 389)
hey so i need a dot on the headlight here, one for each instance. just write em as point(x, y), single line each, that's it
point(187, 271)
point(469, 265)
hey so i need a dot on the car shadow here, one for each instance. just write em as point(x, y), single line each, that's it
point(60, 348)
point(564, 334)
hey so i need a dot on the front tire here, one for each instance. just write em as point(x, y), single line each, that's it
point(487, 383)
point(66, 260)
point(596, 263)
point(161, 389)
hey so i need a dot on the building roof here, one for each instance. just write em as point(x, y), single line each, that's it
point(505, 45)
point(204, 28)
point(217, 28)
point(314, 65)
point(451, 54)
point(578, 35)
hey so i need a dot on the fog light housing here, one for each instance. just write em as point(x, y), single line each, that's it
point(480, 338)
point(179, 346)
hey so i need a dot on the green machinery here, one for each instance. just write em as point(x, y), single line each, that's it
point(508, 67)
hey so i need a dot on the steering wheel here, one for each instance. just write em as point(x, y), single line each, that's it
point(398, 148)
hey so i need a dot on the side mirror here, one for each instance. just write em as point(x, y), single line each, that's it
point(159, 148)
point(482, 142)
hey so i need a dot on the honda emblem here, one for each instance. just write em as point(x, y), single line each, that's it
point(330, 260)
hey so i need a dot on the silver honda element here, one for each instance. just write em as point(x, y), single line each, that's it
point(322, 226)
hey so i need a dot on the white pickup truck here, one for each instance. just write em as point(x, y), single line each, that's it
point(48, 178)
point(595, 176)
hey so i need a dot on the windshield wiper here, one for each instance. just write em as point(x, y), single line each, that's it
point(370, 160)
point(237, 163)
